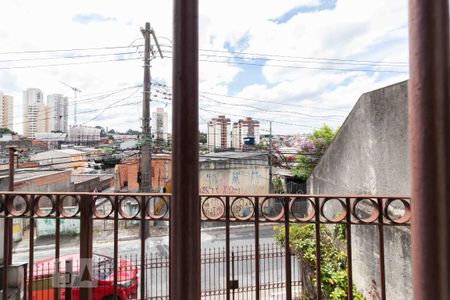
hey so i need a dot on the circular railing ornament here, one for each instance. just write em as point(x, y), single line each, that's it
point(242, 208)
point(365, 206)
point(17, 205)
point(337, 216)
point(129, 207)
point(69, 206)
point(392, 207)
point(272, 210)
point(44, 206)
point(102, 207)
point(213, 208)
point(157, 207)
point(302, 212)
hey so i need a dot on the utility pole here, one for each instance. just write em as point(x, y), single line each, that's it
point(146, 155)
point(145, 184)
point(270, 159)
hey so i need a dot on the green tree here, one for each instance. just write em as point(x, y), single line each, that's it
point(6, 131)
point(202, 138)
point(132, 132)
point(102, 131)
point(311, 150)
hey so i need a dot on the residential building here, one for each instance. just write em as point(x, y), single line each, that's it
point(57, 113)
point(160, 123)
point(219, 133)
point(245, 128)
point(84, 135)
point(34, 112)
point(6, 111)
point(67, 158)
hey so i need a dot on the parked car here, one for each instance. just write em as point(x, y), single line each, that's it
point(102, 278)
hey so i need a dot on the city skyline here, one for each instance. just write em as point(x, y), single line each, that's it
point(263, 65)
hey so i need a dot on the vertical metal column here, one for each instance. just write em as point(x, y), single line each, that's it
point(429, 130)
point(8, 227)
point(86, 227)
point(287, 249)
point(185, 205)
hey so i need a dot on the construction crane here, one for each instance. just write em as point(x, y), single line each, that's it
point(75, 91)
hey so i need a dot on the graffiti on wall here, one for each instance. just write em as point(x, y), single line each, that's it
point(234, 181)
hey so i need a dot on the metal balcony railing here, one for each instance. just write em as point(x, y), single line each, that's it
point(221, 210)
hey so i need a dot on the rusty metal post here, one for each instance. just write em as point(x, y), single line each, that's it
point(185, 205)
point(429, 130)
point(8, 227)
point(287, 250)
point(86, 228)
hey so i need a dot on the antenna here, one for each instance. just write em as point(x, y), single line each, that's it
point(75, 91)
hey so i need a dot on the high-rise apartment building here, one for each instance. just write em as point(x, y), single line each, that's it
point(160, 123)
point(6, 111)
point(219, 133)
point(57, 113)
point(34, 112)
point(245, 128)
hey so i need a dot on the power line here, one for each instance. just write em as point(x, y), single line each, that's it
point(302, 67)
point(65, 57)
point(243, 116)
point(67, 50)
point(264, 110)
point(265, 55)
point(83, 112)
point(273, 102)
point(272, 111)
point(268, 56)
point(92, 99)
point(256, 100)
point(69, 64)
point(305, 61)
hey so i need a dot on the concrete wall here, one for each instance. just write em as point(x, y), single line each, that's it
point(85, 183)
point(234, 177)
point(56, 182)
point(370, 156)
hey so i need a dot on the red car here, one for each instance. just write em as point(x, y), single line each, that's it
point(102, 278)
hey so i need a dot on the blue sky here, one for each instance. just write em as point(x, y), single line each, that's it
point(309, 38)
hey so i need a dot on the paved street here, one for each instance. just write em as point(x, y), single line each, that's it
point(211, 238)
point(213, 272)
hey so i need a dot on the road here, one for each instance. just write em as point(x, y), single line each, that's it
point(240, 236)
point(213, 271)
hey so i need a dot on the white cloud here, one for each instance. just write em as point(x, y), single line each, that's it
point(364, 30)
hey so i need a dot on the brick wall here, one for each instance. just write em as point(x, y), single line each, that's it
point(127, 173)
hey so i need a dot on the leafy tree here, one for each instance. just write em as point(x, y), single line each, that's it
point(311, 150)
point(132, 132)
point(202, 138)
point(6, 131)
point(102, 131)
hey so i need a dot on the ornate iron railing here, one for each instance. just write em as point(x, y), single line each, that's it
point(228, 210)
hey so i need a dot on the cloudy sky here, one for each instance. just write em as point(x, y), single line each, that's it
point(298, 63)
